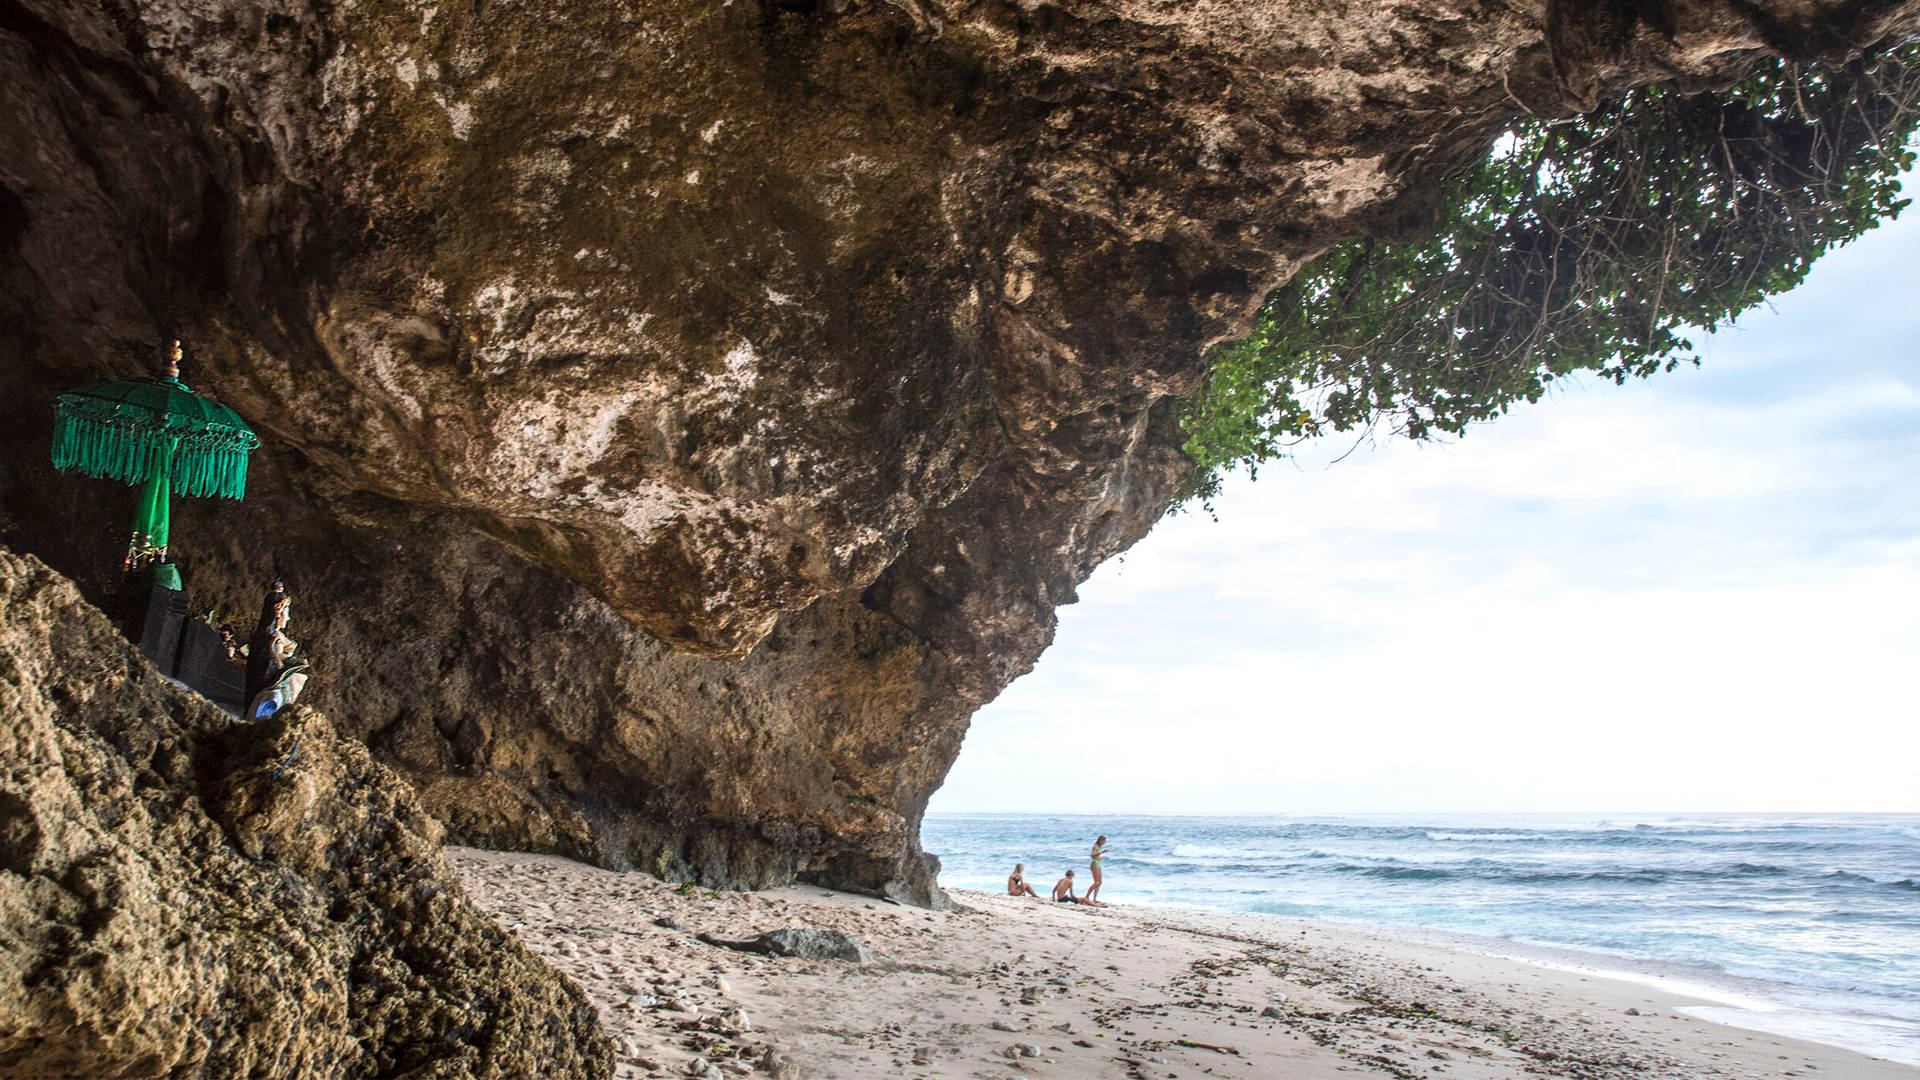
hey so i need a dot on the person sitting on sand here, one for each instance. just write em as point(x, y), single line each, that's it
point(1063, 893)
point(1017, 882)
point(1063, 890)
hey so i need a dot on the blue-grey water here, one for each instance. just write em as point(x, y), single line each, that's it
point(1813, 921)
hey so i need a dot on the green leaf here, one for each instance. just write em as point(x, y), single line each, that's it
point(1597, 244)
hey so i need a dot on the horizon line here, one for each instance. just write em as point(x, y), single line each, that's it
point(1416, 813)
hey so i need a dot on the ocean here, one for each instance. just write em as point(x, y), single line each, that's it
point(1804, 926)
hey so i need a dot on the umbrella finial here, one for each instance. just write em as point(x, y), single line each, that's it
point(173, 360)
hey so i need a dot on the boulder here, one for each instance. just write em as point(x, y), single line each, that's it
point(182, 894)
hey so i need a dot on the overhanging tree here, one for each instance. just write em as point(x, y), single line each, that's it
point(1591, 244)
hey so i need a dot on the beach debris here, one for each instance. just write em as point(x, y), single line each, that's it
point(1002, 1025)
point(1192, 1045)
point(800, 942)
point(778, 1065)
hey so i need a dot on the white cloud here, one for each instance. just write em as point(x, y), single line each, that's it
point(1698, 593)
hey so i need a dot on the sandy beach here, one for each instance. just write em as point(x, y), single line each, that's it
point(1019, 987)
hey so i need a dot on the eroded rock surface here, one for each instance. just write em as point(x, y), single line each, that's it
point(184, 895)
point(681, 416)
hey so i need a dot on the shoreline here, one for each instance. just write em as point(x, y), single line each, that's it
point(1744, 1002)
point(1141, 992)
point(1741, 1001)
point(1708, 994)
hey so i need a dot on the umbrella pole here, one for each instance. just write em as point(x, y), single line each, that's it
point(152, 516)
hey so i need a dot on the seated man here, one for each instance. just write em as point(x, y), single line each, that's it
point(1063, 890)
point(1017, 882)
point(1063, 893)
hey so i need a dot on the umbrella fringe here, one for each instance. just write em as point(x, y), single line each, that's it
point(102, 450)
point(102, 443)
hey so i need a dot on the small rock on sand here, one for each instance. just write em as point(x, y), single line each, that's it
point(800, 942)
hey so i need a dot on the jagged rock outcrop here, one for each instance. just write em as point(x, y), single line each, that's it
point(185, 895)
point(828, 344)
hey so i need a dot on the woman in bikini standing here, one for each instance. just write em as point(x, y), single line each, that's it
point(1099, 853)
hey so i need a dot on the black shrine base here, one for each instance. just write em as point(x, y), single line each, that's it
point(188, 650)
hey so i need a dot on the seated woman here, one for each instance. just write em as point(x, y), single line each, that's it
point(1017, 882)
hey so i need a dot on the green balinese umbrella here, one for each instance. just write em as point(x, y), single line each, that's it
point(158, 433)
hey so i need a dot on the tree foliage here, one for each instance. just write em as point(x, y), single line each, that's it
point(1590, 244)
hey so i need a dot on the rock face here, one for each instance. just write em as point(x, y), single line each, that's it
point(184, 895)
point(682, 416)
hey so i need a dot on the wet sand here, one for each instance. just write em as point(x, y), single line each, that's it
point(1019, 987)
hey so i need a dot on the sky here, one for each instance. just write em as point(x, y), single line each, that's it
point(1699, 592)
